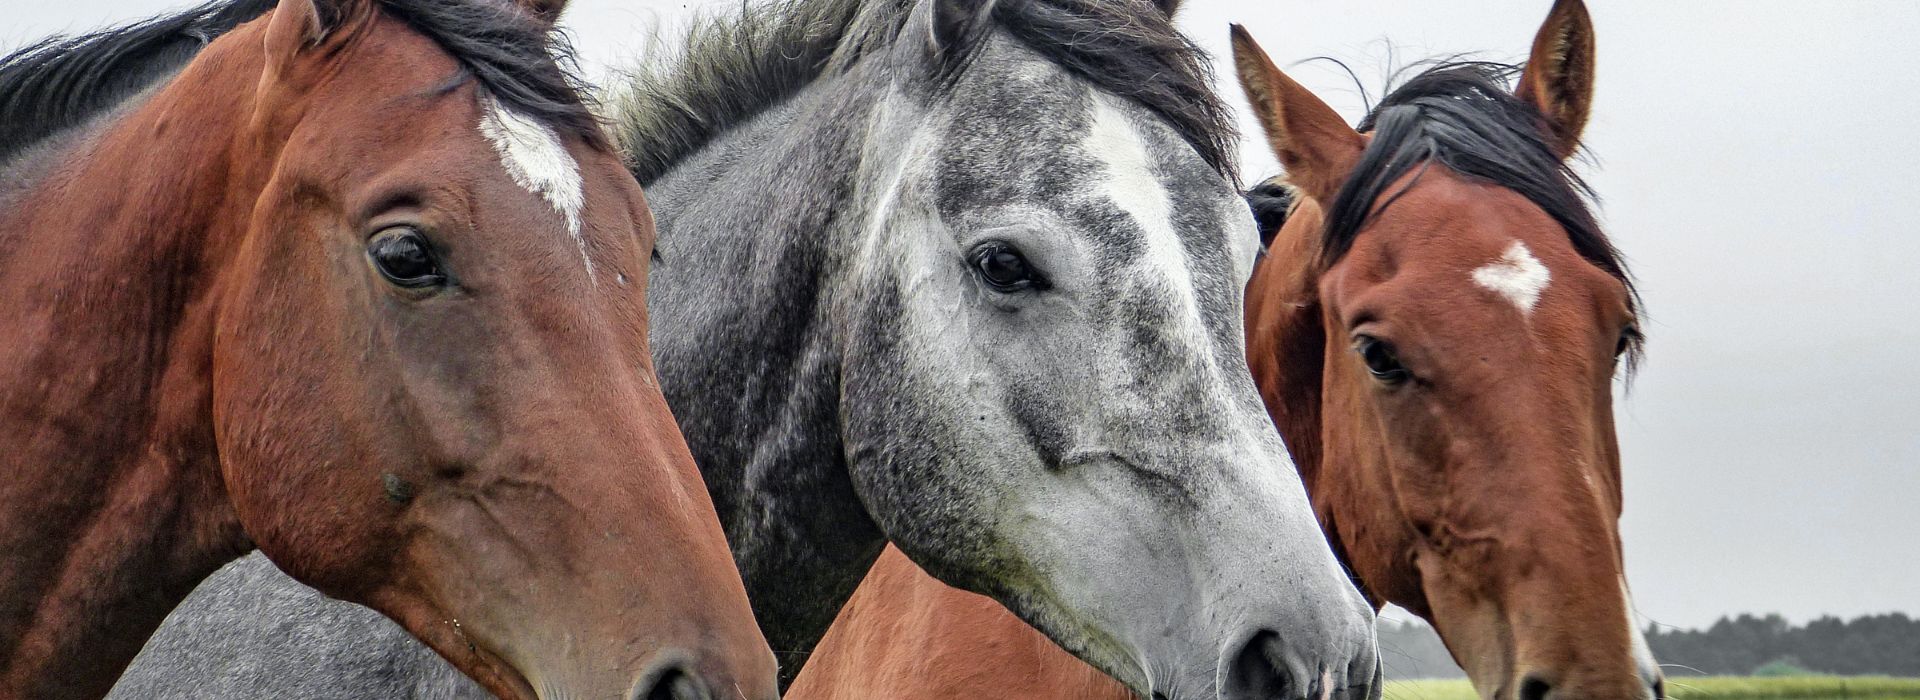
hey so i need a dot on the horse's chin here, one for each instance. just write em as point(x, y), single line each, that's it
point(500, 677)
point(443, 633)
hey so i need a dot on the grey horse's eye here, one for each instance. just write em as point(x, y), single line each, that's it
point(1005, 269)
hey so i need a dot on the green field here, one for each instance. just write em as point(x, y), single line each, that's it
point(1719, 687)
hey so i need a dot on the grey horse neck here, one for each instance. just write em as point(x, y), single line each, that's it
point(741, 301)
point(251, 631)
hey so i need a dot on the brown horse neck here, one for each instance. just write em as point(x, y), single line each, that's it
point(112, 505)
point(1285, 342)
point(1287, 350)
point(964, 643)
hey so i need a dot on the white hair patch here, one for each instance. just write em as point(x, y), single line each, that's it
point(535, 159)
point(1132, 187)
point(1642, 654)
point(1517, 275)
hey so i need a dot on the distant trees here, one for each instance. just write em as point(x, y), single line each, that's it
point(1870, 645)
point(1413, 650)
point(1873, 644)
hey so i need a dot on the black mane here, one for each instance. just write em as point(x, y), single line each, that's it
point(1463, 115)
point(1272, 201)
point(63, 81)
point(515, 57)
point(736, 67)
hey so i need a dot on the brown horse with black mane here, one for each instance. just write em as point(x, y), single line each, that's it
point(1435, 329)
point(359, 284)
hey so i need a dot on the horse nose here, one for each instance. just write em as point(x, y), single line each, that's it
point(678, 678)
point(1376, 685)
point(1265, 668)
point(1259, 670)
point(681, 674)
point(672, 682)
point(1650, 675)
point(1537, 685)
point(1534, 687)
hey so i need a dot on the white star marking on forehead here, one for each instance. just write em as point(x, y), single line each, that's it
point(535, 159)
point(1517, 275)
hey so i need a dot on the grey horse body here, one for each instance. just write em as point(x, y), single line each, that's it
point(251, 631)
point(1094, 456)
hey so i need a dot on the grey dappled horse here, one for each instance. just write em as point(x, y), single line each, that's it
point(965, 276)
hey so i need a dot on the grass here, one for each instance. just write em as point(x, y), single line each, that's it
point(1711, 687)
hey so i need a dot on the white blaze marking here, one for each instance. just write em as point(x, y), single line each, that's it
point(1642, 655)
point(536, 160)
point(1517, 275)
point(1131, 186)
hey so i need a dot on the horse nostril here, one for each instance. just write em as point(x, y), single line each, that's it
point(675, 684)
point(1659, 689)
point(1259, 669)
point(1533, 687)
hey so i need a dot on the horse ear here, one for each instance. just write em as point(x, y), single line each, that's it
point(1313, 143)
point(294, 26)
point(1559, 75)
point(1271, 201)
point(297, 25)
point(954, 26)
point(1167, 6)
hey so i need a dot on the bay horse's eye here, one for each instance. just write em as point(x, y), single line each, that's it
point(1629, 337)
point(1004, 268)
point(402, 255)
point(1381, 361)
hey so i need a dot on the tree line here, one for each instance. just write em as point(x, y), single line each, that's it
point(1886, 644)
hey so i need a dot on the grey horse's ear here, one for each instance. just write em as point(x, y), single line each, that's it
point(954, 27)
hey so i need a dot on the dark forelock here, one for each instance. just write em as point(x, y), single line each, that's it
point(514, 56)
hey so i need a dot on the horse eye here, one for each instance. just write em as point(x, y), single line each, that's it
point(402, 255)
point(1380, 359)
point(1004, 268)
point(1629, 337)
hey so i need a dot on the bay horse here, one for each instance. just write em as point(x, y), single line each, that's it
point(967, 277)
point(1435, 330)
point(361, 285)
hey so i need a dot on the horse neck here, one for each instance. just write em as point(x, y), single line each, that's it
point(112, 507)
point(771, 451)
point(1288, 343)
point(1285, 345)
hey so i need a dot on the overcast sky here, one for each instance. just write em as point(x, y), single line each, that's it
point(1757, 166)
